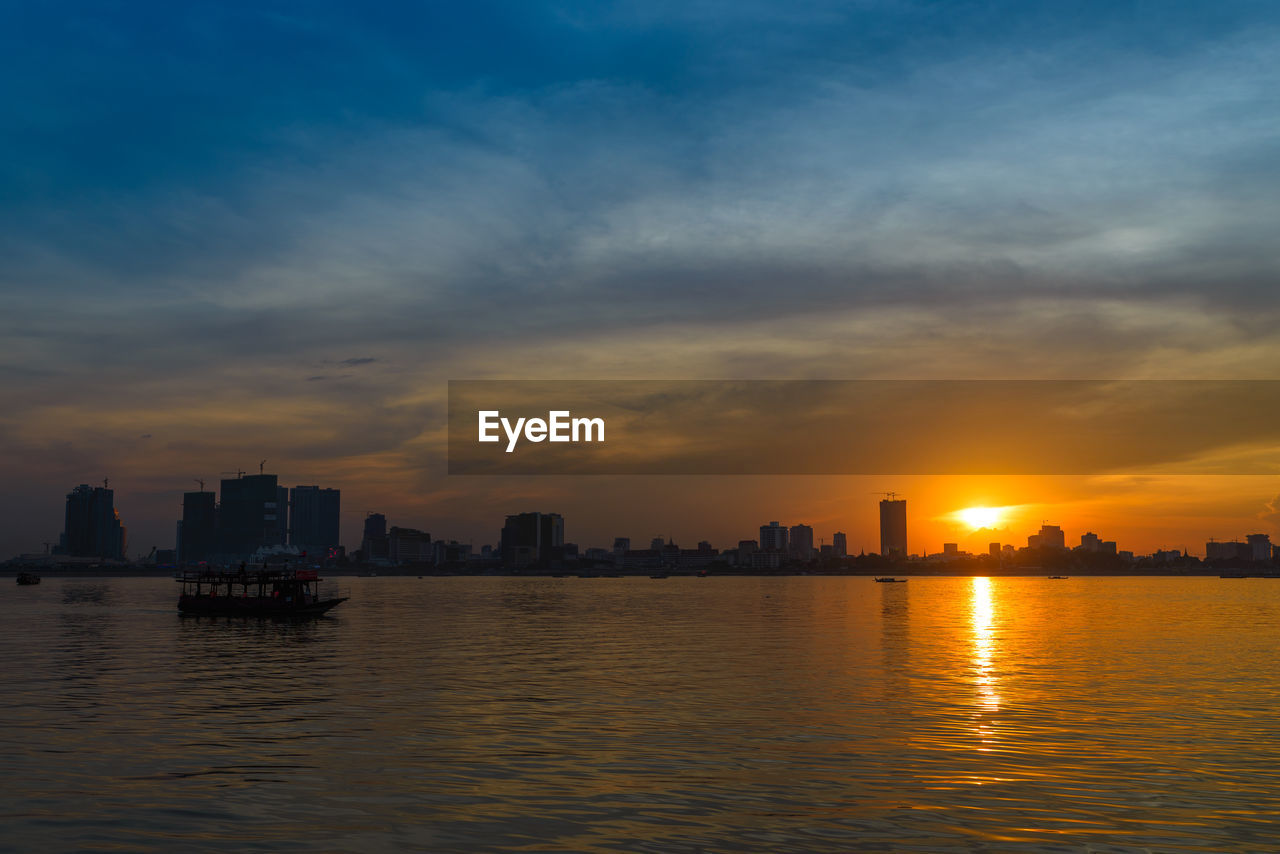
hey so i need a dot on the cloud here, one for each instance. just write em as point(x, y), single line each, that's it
point(633, 190)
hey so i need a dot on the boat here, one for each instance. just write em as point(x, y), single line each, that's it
point(891, 580)
point(661, 575)
point(27, 578)
point(287, 593)
point(1058, 577)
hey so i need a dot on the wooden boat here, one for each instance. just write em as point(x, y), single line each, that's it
point(1058, 577)
point(287, 593)
point(27, 578)
point(891, 580)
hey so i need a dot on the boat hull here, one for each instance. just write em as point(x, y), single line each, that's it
point(232, 606)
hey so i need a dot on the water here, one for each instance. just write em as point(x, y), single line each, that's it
point(719, 714)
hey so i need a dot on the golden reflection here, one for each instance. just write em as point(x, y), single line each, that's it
point(982, 615)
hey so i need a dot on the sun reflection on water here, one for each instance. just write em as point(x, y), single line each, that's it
point(982, 615)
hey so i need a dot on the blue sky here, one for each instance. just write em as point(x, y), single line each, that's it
point(211, 213)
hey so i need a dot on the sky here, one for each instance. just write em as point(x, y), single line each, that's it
point(232, 233)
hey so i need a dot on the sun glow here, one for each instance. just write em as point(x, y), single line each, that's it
point(980, 517)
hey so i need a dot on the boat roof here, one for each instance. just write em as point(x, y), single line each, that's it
point(236, 576)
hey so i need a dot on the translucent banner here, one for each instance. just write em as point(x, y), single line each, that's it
point(863, 427)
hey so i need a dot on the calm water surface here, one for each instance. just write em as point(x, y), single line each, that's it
point(720, 714)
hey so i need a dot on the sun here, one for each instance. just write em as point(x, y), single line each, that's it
point(980, 517)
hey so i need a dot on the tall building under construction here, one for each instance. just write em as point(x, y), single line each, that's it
point(893, 528)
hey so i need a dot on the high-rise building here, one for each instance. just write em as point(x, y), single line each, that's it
point(252, 514)
point(1050, 537)
point(314, 516)
point(1090, 542)
point(773, 537)
point(800, 542)
point(375, 544)
point(409, 545)
point(839, 544)
point(993, 549)
point(92, 526)
point(893, 528)
point(199, 528)
point(531, 537)
point(1231, 550)
point(1259, 546)
point(621, 545)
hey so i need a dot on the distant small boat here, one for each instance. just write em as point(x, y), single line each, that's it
point(1059, 577)
point(662, 575)
point(26, 578)
point(892, 580)
point(1233, 575)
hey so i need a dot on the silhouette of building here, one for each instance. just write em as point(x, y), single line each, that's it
point(993, 550)
point(375, 544)
point(409, 545)
point(800, 542)
point(893, 528)
point(839, 544)
point(1259, 546)
point(252, 514)
point(314, 519)
point(1090, 542)
point(773, 538)
point(951, 550)
point(92, 526)
point(621, 545)
point(198, 530)
point(1050, 537)
point(532, 537)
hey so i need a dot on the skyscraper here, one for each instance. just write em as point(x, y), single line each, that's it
point(893, 528)
point(252, 514)
point(839, 544)
point(531, 537)
point(773, 537)
point(314, 515)
point(800, 542)
point(92, 526)
point(199, 526)
point(375, 543)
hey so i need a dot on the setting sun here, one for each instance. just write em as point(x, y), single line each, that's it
point(980, 517)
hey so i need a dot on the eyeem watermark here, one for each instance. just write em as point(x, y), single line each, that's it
point(558, 426)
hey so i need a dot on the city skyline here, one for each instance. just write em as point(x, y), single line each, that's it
point(980, 527)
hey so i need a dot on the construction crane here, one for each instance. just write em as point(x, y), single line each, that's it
point(261, 465)
point(237, 472)
point(199, 481)
point(893, 496)
point(106, 482)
